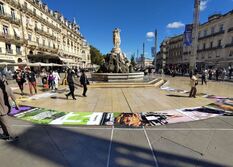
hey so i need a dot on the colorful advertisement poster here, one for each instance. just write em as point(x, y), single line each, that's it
point(225, 105)
point(128, 120)
point(200, 113)
point(40, 115)
point(168, 117)
point(85, 118)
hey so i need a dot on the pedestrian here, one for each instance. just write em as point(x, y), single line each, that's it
point(70, 81)
point(31, 76)
point(217, 73)
point(203, 77)
point(44, 78)
point(193, 84)
point(5, 93)
point(51, 80)
point(230, 70)
point(84, 82)
point(56, 79)
point(210, 74)
point(224, 72)
point(19, 76)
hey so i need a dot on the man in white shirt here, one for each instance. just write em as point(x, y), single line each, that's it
point(193, 84)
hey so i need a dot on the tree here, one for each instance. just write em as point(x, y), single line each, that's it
point(133, 63)
point(96, 56)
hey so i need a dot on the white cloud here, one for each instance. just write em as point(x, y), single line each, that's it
point(203, 5)
point(150, 34)
point(175, 25)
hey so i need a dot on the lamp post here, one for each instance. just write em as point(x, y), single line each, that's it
point(193, 57)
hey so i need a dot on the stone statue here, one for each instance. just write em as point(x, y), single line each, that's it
point(116, 38)
point(116, 61)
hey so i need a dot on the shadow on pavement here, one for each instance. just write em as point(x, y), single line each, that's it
point(77, 147)
point(178, 96)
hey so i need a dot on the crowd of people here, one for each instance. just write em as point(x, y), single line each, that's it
point(49, 80)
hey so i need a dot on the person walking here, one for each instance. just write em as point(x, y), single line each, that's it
point(84, 82)
point(203, 77)
point(56, 79)
point(44, 78)
point(31, 76)
point(51, 80)
point(70, 81)
point(19, 77)
point(217, 72)
point(224, 72)
point(193, 84)
point(5, 93)
point(230, 70)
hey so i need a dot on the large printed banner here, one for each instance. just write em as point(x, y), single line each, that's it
point(52, 117)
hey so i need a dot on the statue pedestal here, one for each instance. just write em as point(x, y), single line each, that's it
point(116, 50)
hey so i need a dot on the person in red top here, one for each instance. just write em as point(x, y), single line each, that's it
point(31, 76)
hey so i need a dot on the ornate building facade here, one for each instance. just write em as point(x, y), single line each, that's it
point(31, 32)
point(215, 45)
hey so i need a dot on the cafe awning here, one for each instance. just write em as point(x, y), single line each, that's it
point(67, 61)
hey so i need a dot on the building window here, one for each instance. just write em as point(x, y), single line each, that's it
point(42, 27)
point(232, 40)
point(8, 48)
point(211, 44)
point(219, 43)
point(34, 10)
point(212, 30)
point(5, 30)
point(205, 33)
point(221, 28)
point(203, 46)
point(29, 37)
point(27, 20)
point(38, 40)
point(36, 24)
point(43, 42)
point(49, 43)
point(231, 53)
point(25, 4)
point(18, 49)
point(13, 14)
point(1, 8)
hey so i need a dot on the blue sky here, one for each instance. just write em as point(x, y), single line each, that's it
point(135, 18)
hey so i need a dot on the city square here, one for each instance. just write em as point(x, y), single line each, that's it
point(70, 102)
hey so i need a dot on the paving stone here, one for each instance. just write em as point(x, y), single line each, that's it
point(130, 149)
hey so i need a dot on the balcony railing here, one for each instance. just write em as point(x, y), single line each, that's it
point(9, 18)
point(19, 52)
point(210, 49)
point(11, 38)
point(230, 29)
point(229, 45)
point(14, 3)
point(9, 51)
point(212, 35)
point(44, 33)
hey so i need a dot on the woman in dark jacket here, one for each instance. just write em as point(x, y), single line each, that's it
point(84, 82)
point(70, 82)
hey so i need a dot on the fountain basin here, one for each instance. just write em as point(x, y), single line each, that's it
point(117, 77)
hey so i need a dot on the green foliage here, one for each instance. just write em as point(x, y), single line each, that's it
point(96, 56)
point(132, 61)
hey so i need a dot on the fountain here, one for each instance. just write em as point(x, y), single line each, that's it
point(116, 65)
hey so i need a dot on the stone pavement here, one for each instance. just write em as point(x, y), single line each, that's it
point(200, 143)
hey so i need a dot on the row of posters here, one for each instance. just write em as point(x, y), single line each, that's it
point(46, 116)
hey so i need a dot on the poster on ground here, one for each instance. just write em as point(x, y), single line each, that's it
point(200, 113)
point(85, 118)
